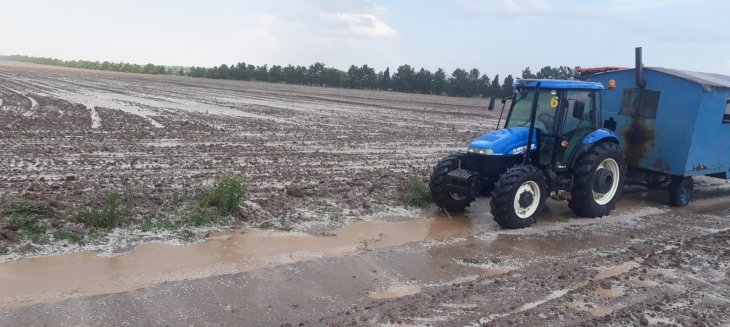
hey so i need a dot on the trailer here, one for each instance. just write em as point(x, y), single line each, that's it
point(672, 124)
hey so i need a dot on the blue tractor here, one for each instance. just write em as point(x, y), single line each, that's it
point(554, 143)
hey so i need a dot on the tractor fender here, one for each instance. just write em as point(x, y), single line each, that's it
point(595, 137)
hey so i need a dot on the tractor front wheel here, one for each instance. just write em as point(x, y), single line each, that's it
point(518, 196)
point(441, 196)
point(598, 181)
point(680, 191)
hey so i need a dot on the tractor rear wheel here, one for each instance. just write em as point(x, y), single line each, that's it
point(441, 196)
point(598, 181)
point(518, 197)
point(680, 191)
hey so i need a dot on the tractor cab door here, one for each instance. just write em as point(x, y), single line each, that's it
point(578, 118)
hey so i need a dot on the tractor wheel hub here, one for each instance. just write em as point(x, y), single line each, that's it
point(526, 199)
point(603, 180)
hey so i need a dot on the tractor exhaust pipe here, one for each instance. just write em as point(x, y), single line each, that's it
point(640, 81)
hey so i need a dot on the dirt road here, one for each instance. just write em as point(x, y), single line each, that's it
point(383, 265)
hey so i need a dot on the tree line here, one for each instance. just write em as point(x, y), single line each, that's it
point(405, 78)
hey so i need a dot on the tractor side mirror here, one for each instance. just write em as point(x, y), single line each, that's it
point(579, 109)
point(504, 100)
point(491, 103)
point(610, 124)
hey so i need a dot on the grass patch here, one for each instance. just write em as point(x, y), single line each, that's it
point(225, 193)
point(4, 249)
point(282, 225)
point(32, 228)
point(416, 193)
point(28, 208)
point(65, 234)
point(480, 261)
point(333, 214)
point(115, 211)
point(201, 216)
point(159, 224)
point(186, 235)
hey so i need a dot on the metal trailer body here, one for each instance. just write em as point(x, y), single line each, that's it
point(686, 133)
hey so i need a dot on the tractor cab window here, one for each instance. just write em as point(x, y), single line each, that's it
point(547, 105)
point(726, 117)
point(580, 120)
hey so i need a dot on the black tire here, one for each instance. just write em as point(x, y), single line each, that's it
point(583, 202)
point(440, 195)
point(680, 191)
point(505, 191)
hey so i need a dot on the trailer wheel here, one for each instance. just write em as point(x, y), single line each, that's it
point(680, 191)
point(518, 196)
point(598, 181)
point(444, 199)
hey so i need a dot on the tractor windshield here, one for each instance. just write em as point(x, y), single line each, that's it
point(547, 104)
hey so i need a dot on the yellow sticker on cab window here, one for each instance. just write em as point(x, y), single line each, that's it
point(554, 102)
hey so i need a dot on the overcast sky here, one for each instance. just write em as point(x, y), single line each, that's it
point(495, 36)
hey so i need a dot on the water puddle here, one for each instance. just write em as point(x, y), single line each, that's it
point(596, 311)
point(466, 306)
point(45, 278)
point(396, 292)
point(645, 283)
point(604, 272)
point(612, 271)
point(496, 271)
point(462, 280)
point(611, 293)
point(661, 272)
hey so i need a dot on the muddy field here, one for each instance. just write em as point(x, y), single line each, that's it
point(314, 157)
point(325, 168)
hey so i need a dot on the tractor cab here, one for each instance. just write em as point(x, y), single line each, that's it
point(551, 144)
point(565, 113)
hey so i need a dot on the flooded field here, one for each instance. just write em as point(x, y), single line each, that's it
point(313, 157)
point(324, 167)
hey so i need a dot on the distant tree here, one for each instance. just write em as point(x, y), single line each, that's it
point(224, 72)
point(261, 73)
point(507, 86)
point(473, 78)
point(369, 78)
point(333, 77)
point(495, 89)
point(148, 69)
point(423, 81)
point(385, 81)
point(404, 79)
point(484, 85)
point(458, 83)
point(527, 73)
point(354, 77)
point(561, 72)
point(438, 86)
point(276, 74)
point(315, 73)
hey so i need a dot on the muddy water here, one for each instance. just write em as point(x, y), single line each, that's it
point(45, 278)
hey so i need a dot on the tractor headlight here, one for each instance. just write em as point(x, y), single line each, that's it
point(481, 151)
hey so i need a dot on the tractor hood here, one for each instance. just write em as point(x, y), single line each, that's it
point(503, 141)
